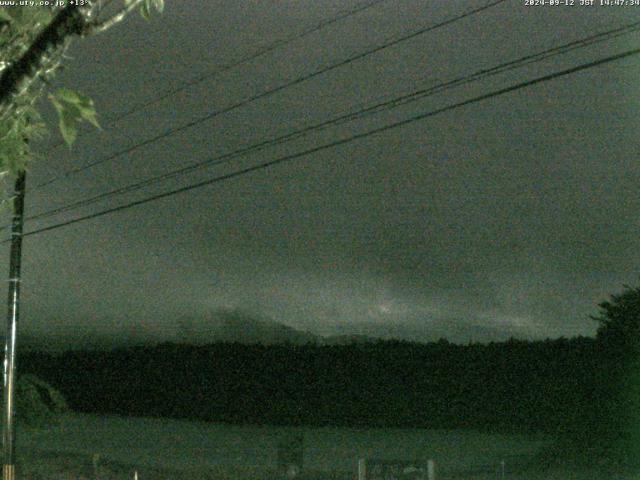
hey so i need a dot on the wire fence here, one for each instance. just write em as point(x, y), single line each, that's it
point(60, 464)
point(402, 469)
point(502, 468)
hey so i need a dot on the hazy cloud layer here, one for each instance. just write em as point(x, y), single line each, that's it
point(514, 216)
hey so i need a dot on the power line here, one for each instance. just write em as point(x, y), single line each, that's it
point(246, 59)
point(270, 48)
point(511, 65)
point(373, 109)
point(344, 141)
point(273, 91)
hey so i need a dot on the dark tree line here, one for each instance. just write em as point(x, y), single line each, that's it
point(516, 385)
point(585, 389)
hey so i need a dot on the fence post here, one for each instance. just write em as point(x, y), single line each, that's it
point(431, 470)
point(362, 469)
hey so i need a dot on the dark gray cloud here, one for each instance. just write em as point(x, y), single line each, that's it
point(513, 216)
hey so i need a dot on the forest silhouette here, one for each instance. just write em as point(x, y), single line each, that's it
point(584, 390)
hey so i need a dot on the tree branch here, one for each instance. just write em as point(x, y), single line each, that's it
point(95, 27)
point(70, 21)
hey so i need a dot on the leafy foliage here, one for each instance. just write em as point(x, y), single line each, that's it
point(618, 419)
point(72, 108)
point(147, 6)
point(18, 29)
point(619, 321)
point(21, 123)
point(38, 404)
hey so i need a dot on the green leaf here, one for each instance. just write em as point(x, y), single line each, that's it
point(28, 17)
point(14, 150)
point(72, 108)
point(68, 127)
point(68, 117)
point(69, 96)
point(90, 117)
point(4, 15)
point(145, 9)
point(147, 6)
point(65, 122)
point(19, 15)
point(159, 4)
point(41, 15)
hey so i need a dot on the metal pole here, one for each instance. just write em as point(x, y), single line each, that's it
point(13, 313)
point(362, 469)
point(431, 470)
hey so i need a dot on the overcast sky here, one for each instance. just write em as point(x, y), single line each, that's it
point(511, 216)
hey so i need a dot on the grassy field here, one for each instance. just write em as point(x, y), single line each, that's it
point(111, 447)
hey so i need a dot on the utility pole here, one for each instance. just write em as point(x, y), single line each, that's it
point(13, 314)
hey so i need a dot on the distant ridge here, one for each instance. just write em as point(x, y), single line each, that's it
point(234, 325)
point(347, 339)
point(239, 326)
